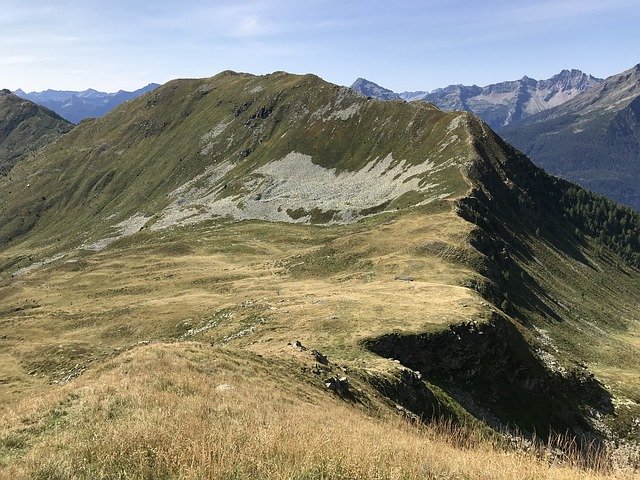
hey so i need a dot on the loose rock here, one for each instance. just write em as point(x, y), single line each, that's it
point(340, 385)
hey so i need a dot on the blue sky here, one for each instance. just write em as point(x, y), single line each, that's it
point(403, 45)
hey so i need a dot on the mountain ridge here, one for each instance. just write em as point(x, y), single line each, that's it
point(252, 128)
point(25, 127)
point(592, 139)
point(281, 227)
point(75, 106)
point(499, 104)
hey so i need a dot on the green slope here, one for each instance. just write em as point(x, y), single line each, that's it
point(218, 134)
point(250, 211)
point(24, 127)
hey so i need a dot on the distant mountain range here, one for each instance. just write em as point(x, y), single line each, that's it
point(592, 139)
point(76, 106)
point(499, 104)
point(574, 125)
point(25, 127)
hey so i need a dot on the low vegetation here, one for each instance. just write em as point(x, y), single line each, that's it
point(233, 349)
point(189, 411)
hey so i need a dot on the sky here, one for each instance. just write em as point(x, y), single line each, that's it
point(401, 45)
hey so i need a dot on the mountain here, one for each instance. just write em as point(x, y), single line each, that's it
point(138, 142)
point(76, 106)
point(267, 276)
point(593, 140)
point(370, 89)
point(24, 127)
point(500, 104)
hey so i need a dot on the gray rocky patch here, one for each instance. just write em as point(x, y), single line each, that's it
point(125, 228)
point(206, 141)
point(295, 183)
point(36, 265)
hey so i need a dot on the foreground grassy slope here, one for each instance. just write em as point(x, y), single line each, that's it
point(285, 282)
point(229, 300)
point(195, 411)
point(505, 300)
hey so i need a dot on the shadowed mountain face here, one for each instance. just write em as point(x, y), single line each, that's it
point(500, 104)
point(593, 140)
point(24, 127)
point(76, 106)
point(243, 212)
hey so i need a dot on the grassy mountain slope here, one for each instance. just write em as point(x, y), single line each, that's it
point(472, 293)
point(592, 140)
point(25, 127)
point(235, 139)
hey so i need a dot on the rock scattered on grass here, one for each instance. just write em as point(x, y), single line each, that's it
point(404, 278)
point(319, 357)
point(340, 385)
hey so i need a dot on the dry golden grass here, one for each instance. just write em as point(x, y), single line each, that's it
point(155, 412)
point(75, 314)
point(163, 411)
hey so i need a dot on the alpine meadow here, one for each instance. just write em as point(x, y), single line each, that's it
point(276, 276)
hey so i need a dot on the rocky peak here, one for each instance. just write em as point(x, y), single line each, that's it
point(571, 80)
point(370, 89)
point(498, 104)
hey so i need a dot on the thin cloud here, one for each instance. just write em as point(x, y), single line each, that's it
point(13, 14)
point(247, 20)
point(23, 60)
point(561, 10)
point(258, 19)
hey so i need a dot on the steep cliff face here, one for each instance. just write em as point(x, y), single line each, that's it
point(491, 370)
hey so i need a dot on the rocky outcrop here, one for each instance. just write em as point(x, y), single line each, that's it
point(490, 370)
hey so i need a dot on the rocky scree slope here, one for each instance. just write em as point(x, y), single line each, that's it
point(25, 127)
